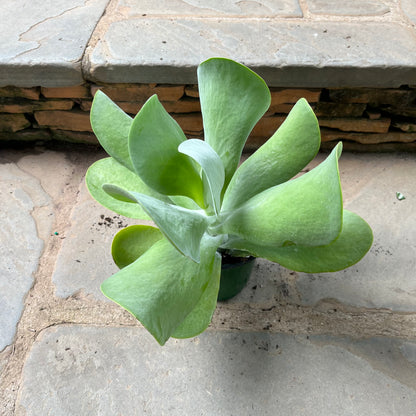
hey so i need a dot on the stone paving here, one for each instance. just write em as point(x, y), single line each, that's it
point(307, 43)
point(290, 343)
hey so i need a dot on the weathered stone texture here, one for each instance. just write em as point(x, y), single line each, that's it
point(20, 243)
point(17, 92)
point(80, 91)
point(45, 44)
point(64, 120)
point(374, 96)
point(327, 109)
point(371, 138)
point(136, 92)
point(108, 371)
point(362, 115)
point(214, 8)
point(356, 124)
point(291, 95)
point(10, 105)
point(13, 122)
point(317, 63)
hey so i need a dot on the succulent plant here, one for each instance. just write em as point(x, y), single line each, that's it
point(204, 203)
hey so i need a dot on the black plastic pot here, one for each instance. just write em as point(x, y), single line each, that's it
point(235, 272)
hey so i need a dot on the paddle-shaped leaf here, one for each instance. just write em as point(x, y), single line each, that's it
point(153, 144)
point(132, 242)
point(288, 151)
point(111, 125)
point(233, 99)
point(184, 228)
point(109, 170)
point(160, 289)
point(211, 165)
point(351, 245)
point(200, 317)
point(305, 211)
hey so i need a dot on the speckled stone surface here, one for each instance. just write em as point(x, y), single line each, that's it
point(108, 371)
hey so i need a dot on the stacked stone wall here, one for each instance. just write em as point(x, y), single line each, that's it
point(363, 118)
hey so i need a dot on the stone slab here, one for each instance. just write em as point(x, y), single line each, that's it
point(20, 245)
point(42, 42)
point(386, 277)
point(122, 371)
point(286, 53)
point(32, 184)
point(84, 260)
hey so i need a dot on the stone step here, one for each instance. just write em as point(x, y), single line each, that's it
point(291, 43)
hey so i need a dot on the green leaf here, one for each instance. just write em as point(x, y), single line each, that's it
point(160, 289)
point(111, 125)
point(109, 170)
point(304, 211)
point(184, 228)
point(288, 151)
point(200, 317)
point(132, 242)
point(211, 165)
point(153, 142)
point(233, 99)
point(350, 247)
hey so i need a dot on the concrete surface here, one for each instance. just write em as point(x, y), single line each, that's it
point(291, 43)
point(291, 343)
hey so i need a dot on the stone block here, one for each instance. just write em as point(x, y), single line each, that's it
point(280, 109)
point(356, 124)
point(80, 91)
point(17, 92)
point(406, 126)
point(325, 109)
point(191, 124)
point(64, 120)
point(140, 93)
point(267, 126)
point(181, 106)
point(26, 135)
point(10, 123)
point(12, 105)
point(74, 136)
point(45, 45)
point(74, 370)
point(373, 96)
point(337, 57)
point(291, 96)
point(369, 138)
point(192, 91)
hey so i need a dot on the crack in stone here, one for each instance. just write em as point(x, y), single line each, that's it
point(35, 25)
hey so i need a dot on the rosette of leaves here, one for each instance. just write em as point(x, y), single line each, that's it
point(202, 202)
